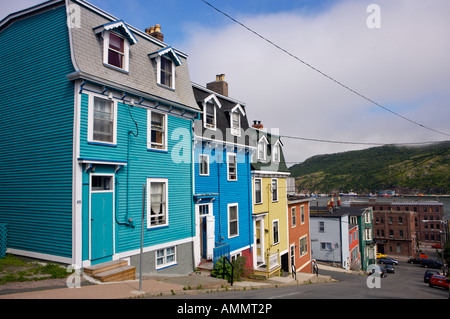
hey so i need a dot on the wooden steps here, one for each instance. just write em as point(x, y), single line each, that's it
point(116, 270)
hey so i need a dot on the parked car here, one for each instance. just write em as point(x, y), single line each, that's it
point(436, 246)
point(381, 270)
point(390, 269)
point(414, 260)
point(379, 255)
point(428, 273)
point(431, 263)
point(387, 261)
point(440, 281)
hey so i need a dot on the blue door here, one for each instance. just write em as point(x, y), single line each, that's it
point(102, 206)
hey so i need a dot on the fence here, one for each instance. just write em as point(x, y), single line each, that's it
point(3, 239)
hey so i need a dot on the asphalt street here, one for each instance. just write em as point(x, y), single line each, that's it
point(406, 283)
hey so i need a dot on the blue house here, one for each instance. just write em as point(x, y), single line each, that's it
point(96, 136)
point(223, 196)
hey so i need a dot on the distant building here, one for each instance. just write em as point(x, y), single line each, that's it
point(428, 215)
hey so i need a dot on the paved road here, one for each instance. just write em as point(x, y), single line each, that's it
point(406, 283)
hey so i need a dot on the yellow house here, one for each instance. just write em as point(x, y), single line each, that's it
point(269, 173)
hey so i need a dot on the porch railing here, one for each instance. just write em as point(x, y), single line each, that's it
point(220, 250)
point(273, 260)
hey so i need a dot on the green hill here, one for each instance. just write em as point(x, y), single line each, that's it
point(406, 169)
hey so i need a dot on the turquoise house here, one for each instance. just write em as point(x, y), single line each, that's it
point(96, 140)
point(223, 187)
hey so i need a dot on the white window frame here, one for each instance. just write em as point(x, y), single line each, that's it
point(261, 190)
point(90, 137)
point(149, 131)
point(321, 226)
point(166, 193)
point(277, 222)
point(200, 156)
point(228, 167)
point(303, 239)
point(165, 263)
point(272, 190)
point(209, 208)
point(302, 214)
point(158, 72)
point(126, 51)
point(294, 216)
point(276, 156)
point(236, 131)
point(262, 146)
point(216, 104)
point(229, 219)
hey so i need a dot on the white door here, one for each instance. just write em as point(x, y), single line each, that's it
point(210, 224)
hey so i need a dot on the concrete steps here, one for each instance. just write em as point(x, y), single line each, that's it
point(116, 270)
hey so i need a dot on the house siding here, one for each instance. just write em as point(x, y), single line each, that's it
point(141, 164)
point(36, 125)
point(229, 192)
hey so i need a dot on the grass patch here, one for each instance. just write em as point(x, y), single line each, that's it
point(16, 269)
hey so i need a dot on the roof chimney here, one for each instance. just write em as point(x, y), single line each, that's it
point(155, 31)
point(258, 125)
point(219, 85)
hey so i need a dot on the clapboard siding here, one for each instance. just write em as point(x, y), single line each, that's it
point(230, 192)
point(36, 124)
point(143, 164)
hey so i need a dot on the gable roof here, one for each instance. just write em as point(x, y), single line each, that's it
point(119, 26)
point(168, 52)
point(223, 118)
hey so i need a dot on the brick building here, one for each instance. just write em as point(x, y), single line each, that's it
point(395, 232)
point(428, 215)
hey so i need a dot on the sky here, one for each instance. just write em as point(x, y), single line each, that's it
point(397, 55)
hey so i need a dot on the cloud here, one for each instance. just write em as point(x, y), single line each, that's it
point(403, 65)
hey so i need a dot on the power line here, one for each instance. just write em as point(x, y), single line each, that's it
point(356, 143)
point(322, 73)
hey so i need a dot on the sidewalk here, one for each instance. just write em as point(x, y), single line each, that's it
point(157, 286)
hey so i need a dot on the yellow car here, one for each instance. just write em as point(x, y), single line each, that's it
point(379, 255)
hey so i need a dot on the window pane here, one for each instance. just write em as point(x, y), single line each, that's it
point(166, 72)
point(157, 138)
point(103, 120)
point(116, 42)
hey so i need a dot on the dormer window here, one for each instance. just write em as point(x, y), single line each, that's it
point(116, 50)
point(209, 111)
point(166, 62)
point(166, 72)
point(210, 115)
point(117, 39)
point(262, 149)
point(276, 151)
point(235, 119)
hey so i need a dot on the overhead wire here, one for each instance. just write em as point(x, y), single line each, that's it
point(322, 73)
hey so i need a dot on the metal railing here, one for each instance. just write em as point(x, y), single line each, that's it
point(220, 250)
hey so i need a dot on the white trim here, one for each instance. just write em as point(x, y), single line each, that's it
point(31, 254)
point(217, 104)
point(271, 190)
point(262, 141)
point(147, 249)
point(113, 191)
point(126, 50)
point(157, 59)
point(148, 210)
point(77, 183)
point(165, 265)
point(271, 173)
point(90, 136)
point(228, 167)
point(299, 246)
point(295, 216)
point(199, 164)
point(273, 232)
point(278, 146)
point(237, 218)
point(149, 131)
point(235, 131)
point(261, 190)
